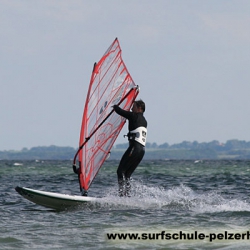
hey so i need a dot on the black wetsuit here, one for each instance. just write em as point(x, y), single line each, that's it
point(134, 154)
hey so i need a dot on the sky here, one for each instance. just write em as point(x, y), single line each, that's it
point(190, 58)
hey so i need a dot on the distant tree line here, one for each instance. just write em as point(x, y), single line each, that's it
point(232, 149)
point(39, 153)
point(229, 145)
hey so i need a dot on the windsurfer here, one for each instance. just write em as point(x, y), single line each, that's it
point(137, 140)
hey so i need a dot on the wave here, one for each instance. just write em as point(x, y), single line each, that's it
point(179, 198)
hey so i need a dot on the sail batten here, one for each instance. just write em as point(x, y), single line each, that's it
point(110, 84)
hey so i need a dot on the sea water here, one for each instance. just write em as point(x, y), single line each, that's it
point(174, 205)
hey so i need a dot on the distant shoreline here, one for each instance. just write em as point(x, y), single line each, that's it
point(232, 149)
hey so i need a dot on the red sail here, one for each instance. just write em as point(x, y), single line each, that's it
point(110, 84)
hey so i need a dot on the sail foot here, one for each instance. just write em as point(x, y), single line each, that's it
point(83, 192)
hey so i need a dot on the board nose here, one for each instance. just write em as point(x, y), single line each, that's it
point(18, 189)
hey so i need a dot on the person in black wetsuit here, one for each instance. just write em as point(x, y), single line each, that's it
point(137, 140)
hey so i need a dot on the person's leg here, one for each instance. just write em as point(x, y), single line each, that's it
point(123, 165)
point(136, 158)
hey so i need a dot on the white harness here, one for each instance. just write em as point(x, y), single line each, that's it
point(139, 135)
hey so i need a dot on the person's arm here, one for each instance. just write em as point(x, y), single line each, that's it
point(124, 113)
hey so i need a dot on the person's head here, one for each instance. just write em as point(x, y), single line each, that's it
point(138, 106)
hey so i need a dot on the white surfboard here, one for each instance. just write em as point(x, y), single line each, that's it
point(53, 200)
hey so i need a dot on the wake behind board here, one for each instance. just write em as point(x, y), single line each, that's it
point(53, 200)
